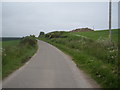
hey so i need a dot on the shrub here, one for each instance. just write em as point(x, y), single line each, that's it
point(56, 34)
point(28, 40)
point(41, 34)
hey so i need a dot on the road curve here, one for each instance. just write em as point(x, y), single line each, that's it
point(49, 68)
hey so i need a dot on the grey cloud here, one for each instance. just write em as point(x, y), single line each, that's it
point(20, 19)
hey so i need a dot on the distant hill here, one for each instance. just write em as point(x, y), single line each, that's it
point(82, 30)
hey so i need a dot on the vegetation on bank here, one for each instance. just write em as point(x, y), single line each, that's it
point(97, 57)
point(99, 35)
point(16, 52)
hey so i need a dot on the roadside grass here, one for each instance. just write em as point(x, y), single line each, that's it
point(96, 57)
point(15, 54)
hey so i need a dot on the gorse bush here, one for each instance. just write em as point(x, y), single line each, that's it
point(41, 34)
point(56, 34)
point(29, 40)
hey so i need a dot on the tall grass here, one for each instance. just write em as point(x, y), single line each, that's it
point(15, 53)
point(97, 58)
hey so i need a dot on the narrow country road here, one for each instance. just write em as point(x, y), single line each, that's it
point(49, 68)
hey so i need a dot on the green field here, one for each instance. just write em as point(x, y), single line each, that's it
point(14, 54)
point(99, 35)
point(97, 57)
point(10, 43)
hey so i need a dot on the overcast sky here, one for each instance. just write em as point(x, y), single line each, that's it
point(25, 18)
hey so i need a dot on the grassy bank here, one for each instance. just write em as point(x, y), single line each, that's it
point(15, 53)
point(97, 57)
point(99, 35)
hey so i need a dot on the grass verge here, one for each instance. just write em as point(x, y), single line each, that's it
point(15, 53)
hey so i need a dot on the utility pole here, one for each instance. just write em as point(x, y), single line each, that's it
point(110, 31)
